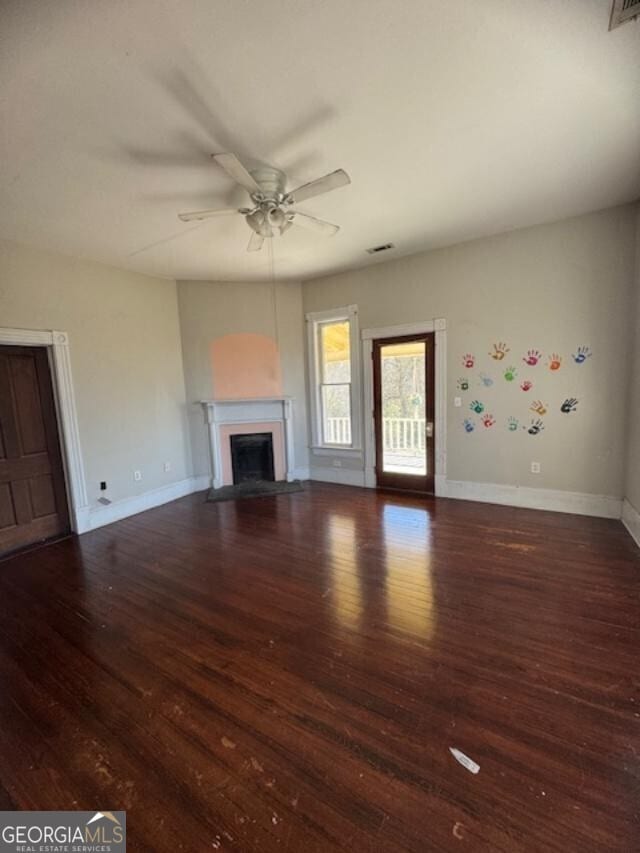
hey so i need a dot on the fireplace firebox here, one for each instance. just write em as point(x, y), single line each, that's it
point(252, 457)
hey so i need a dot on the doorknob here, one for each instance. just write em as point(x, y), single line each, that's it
point(428, 430)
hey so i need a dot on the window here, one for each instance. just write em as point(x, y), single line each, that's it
point(334, 348)
point(333, 352)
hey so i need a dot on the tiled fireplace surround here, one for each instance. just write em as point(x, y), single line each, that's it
point(225, 418)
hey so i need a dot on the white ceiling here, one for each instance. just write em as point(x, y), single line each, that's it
point(454, 119)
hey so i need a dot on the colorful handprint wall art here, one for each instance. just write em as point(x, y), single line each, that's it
point(581, 355)
point(532, 357)
point(550, 372)
point(499, 351)
point(569, 405)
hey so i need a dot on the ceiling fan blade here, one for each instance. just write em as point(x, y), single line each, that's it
point(234, 167)
point(315, 224)
point(332, 181)
point(207, 214)
point(255, 242)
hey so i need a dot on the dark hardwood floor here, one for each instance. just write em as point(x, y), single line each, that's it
point(289, 673)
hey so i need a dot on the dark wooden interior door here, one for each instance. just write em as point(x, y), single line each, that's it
point(404, 412)
point(33, 501)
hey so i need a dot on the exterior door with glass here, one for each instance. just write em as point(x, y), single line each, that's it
point(404, 411)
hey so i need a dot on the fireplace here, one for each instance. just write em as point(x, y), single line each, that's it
point(227, 419)
point(252, 457)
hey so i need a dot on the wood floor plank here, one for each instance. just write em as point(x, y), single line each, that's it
point(290, 673)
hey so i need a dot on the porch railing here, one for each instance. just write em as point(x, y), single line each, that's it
point(398, 433)
point(403, 434)
point(338, 431)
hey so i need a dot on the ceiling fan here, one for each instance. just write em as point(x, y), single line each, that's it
point(272, 211)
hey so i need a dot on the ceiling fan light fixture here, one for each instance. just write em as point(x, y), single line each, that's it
point(276, 217)
point(255, 221)
point(288, 222)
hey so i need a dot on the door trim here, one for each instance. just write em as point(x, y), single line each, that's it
point(439, 326)
point(57, 344)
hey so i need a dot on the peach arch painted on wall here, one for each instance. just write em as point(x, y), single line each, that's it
point(245, 366)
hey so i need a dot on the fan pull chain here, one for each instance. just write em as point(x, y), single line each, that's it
point(274, 296)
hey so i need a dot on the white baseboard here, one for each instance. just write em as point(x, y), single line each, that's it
point(342, 476)
point(631, 520)
point(99, 516)
point(200, 483)
point(552, 500)
point(602, 506)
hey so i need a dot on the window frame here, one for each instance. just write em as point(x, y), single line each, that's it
point(316, 319)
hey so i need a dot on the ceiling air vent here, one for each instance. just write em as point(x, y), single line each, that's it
point(385, 248)
point(623, 11)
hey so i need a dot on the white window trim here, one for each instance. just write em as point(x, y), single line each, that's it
point(439, 326)
point(57, 344)
point(334, 315)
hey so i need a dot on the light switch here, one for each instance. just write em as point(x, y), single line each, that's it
point(457, 402)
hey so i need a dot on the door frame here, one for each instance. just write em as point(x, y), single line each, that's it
point(439, 327)
point(57, 345)
point(426, 483)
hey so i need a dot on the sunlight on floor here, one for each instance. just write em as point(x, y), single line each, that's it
point(407, 539)
point(345, 591)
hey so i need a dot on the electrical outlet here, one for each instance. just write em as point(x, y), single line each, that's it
point(137, 475)
point(337, 463)
point(103, 485)
point(167, 466)
point(457, 402)
point(535, 467)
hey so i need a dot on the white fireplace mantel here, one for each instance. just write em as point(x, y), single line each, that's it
point(246, 411)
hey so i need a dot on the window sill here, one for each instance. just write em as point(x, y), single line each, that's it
point(336, 450)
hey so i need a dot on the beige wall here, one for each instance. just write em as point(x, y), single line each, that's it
point(632, 491)
point(210, 310)
point(125, 357)
point(554, 287)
